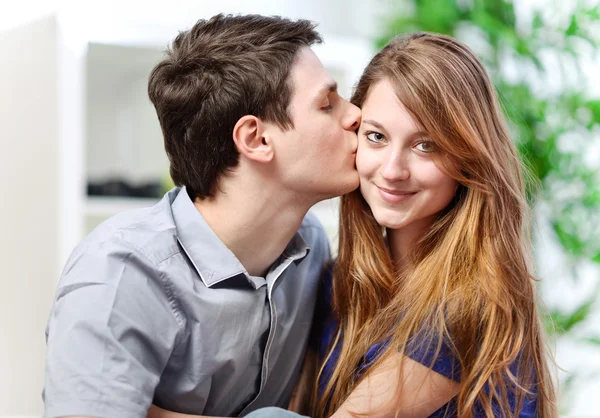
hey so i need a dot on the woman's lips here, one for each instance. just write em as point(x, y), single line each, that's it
point(394, 196)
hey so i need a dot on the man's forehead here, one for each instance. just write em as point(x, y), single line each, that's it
point(309, 72)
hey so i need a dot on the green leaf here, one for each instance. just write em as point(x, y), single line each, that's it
point(573, 28)
point(563, 323)
point(570, 241)
point(594, 107)
point(538, 21)
point(591, 340)
point(591, 199)
point(441, 16)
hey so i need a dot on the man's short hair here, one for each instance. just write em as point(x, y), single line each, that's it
point(215, 73)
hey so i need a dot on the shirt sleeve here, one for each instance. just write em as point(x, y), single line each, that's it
point(423, 348)
point(111, 331)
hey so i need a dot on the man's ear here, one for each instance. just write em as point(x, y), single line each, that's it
point(252, 140)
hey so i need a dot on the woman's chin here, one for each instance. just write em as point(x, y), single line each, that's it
point(390, 222)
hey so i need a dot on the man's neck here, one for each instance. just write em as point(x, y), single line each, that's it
point(256, 225)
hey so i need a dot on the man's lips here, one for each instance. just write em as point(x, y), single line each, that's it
point(394, 196)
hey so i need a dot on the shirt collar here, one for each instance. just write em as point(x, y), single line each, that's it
point(213, 261)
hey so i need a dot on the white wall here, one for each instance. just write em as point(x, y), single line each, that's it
point(123, 135)
point(29, 171)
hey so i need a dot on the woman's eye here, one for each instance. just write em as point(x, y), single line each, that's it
point(327, 108)
point(426, 146)
point(375, 137)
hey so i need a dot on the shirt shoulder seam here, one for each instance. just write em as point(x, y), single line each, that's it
point(166, 284)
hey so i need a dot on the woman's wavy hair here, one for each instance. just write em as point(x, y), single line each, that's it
point(469, 284)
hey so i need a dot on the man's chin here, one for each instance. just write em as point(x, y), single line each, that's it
point(349, 184)
point(353, 185)
point(345, 188)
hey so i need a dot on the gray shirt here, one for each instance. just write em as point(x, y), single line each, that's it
point(153, 307)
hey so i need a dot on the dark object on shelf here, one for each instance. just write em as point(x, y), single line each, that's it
point(121, 188)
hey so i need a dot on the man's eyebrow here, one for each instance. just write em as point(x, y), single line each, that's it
point(327, 88)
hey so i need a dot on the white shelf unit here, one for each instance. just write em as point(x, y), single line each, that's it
point(103, 206)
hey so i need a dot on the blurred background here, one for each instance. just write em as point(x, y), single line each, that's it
point(79, 142)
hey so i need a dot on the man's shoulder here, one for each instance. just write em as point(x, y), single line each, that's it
point(311, 228)
point(147, 232)
point(312, 232)
point(124, 260)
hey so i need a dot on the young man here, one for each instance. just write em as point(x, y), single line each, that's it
point(203, 303)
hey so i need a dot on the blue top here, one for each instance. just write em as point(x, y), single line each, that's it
point(420, 348)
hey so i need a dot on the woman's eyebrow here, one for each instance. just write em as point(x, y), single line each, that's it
point(373, 123)
point(416, 134)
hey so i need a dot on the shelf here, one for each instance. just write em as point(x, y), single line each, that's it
point(104, 206)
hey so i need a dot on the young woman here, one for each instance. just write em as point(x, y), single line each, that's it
point(434, 303)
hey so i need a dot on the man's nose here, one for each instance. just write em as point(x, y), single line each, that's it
point(352, 119)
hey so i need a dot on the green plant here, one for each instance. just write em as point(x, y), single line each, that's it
point(554, 121)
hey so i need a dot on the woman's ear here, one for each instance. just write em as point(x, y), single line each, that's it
point(252, 140)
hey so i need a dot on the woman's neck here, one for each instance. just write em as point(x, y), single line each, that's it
point(402, 241)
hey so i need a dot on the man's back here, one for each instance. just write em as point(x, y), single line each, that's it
point(152, 307)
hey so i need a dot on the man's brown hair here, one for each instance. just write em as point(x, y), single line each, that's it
point(215, 73)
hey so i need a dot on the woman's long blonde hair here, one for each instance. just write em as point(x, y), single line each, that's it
point(469, 284)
